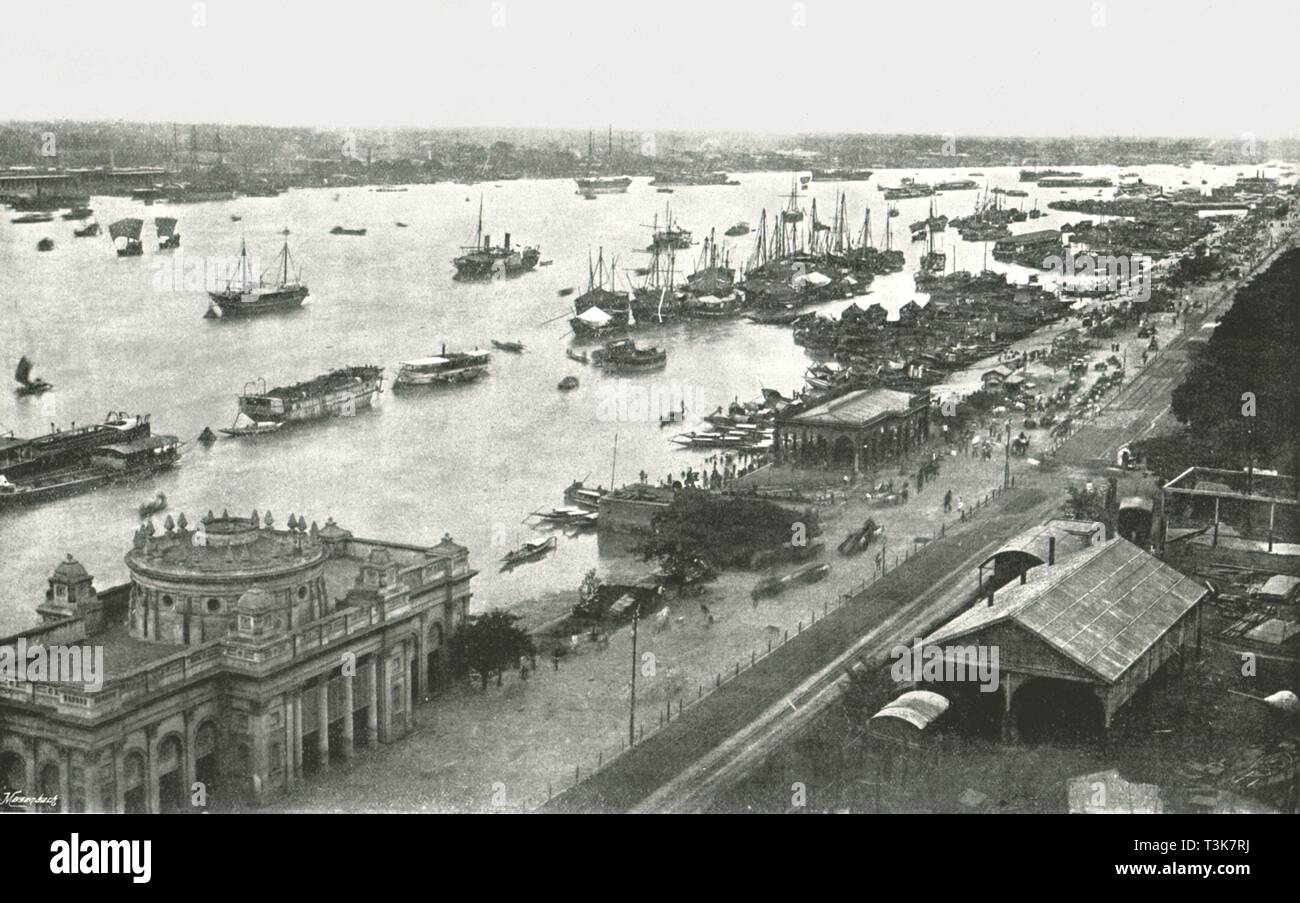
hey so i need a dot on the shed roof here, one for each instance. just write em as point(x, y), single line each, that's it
point(1103, 609)
point(857, 408)
point(1069, 535)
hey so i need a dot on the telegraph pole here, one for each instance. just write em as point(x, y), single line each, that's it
point(1006, 472)
point(631, 714)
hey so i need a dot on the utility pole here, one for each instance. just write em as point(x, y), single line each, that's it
point(1006, 472)
point(631, 713)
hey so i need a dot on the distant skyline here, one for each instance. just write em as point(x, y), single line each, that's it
point(1051, 68)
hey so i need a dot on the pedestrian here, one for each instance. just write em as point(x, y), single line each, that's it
point(555, 659)
point(947, 501)
point(960, 507)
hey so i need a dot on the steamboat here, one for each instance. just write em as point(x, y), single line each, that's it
point(485, 261)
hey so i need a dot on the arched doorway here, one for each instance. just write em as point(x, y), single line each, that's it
point(171, 775)
point(1050, 709)
point(47, 782)
point(13, 775)
point(134, 799)
point(205, 761)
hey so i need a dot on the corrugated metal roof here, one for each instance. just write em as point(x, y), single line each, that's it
point(1103, 608)
point(918, 708)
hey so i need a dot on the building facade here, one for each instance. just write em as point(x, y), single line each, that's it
point(859, 430)
point(240, 659)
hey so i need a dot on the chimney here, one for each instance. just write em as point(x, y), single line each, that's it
point(487, 242)
point(507, 241)
point(1051, 550)
point(1023, 575)
point(990, 598)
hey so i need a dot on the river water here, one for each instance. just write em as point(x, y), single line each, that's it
point(473, 461)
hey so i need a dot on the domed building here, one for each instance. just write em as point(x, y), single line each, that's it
point(240, 659)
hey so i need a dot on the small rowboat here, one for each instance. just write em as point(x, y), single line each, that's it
point(245, 427)
point(529, 551)
point(513, 347)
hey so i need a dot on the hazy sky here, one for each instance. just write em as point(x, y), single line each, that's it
point(1025, 67)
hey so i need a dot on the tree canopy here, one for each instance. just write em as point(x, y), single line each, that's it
point(491, 642)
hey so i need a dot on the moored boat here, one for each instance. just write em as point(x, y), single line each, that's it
point(257, 296)
point(623, 356)
point(446, 368)
point(339, 393)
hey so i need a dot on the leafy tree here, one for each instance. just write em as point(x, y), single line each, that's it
point(491, 642)
point(1241, 398)
point(699, 532)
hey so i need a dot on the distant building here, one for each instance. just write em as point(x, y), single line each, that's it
point(858, 430)
point(240, 657)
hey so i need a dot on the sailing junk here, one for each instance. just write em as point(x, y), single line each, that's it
point(126, 237)
point(484, 261)
point(27, 385)
point(247, 296)
point(168, 237)
point(339, 393)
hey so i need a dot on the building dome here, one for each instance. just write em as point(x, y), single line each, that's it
point(69, 571)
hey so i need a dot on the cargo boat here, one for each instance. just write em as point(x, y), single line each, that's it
point(443, 369)
point(168, 238)
point(616, 185)
point(339, 393)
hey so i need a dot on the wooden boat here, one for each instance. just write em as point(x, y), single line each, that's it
point(153, 506)
point(245, 426)
point(512, 347)
point(26, 385)
point(568, 383)
point(399, 224)
point(583, 496)
point(565, 292)
point(529, 551)
point(33, 218)
point(623, 356)
point(342, 230)
point(579, 356)
point(443, 369)
point(45, 244)
point(90, 230)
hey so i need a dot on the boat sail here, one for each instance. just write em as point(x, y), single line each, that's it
point(244, 295)
point(168, 237)
point(126, 237)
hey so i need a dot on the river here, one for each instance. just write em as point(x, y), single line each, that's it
point(129, 334)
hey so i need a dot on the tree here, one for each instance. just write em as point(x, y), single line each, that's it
point(1084, 503)
point(491, 642)
point(699, 533)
